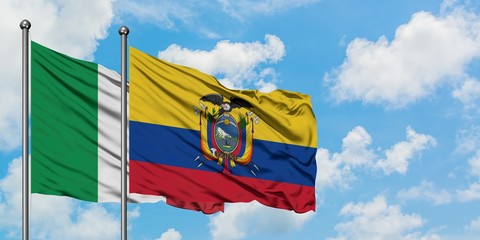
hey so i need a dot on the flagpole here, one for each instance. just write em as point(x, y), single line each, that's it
point(123, 31)
point(25, 26)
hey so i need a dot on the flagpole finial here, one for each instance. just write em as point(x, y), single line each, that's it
point(123, 30)
point(25, 24)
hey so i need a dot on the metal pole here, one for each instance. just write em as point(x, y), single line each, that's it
point(123, 31)
point(25, 26)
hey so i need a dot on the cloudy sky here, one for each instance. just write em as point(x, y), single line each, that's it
point(395, 88)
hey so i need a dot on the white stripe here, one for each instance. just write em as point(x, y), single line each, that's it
point(109, 166)
point(109, 161)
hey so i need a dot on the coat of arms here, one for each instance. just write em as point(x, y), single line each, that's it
point(226, 131)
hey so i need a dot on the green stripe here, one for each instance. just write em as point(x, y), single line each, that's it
point(64, 113)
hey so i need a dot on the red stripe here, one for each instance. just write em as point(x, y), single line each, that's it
point(205, 191)
point(205, 207)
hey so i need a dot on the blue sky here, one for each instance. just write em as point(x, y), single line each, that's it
point(395, 87)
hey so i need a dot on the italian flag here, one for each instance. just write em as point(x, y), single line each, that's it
point(75, 128)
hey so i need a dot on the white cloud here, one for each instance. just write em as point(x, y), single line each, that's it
point(243, 9)
point(237, 63)
point(468, 94)
point(11, 196)
point(164, 13)
point(474, 163)
point(470, 194)
point(241, 220)
point(448, 5)
point(267, 80)
point(377, 220)
point(170, 234)
point(52, 217)
point(90, 222)
point(398, 157)
point(331, 171)
point(473, 226)
point(10, 114)
point(411, 66)
point(420, 236)
point(337, 169)
point(266, 87)
point(355, 151)
point(425, 191)
point(72, 27)
point(170, 14)
point(468, 140)
point(134, 213)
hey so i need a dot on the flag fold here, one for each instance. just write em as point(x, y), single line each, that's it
point(75, 128)
point(200, 144)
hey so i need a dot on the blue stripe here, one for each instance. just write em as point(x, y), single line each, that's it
point(180, 147)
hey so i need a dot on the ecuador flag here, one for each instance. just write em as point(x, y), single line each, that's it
point(200, 144)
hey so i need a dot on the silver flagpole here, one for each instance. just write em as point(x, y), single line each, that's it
point(25, 26)
point(123, 31)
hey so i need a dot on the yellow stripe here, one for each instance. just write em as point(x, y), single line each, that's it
point(165, 93)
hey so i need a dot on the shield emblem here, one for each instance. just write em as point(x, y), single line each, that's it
point(226, 133)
